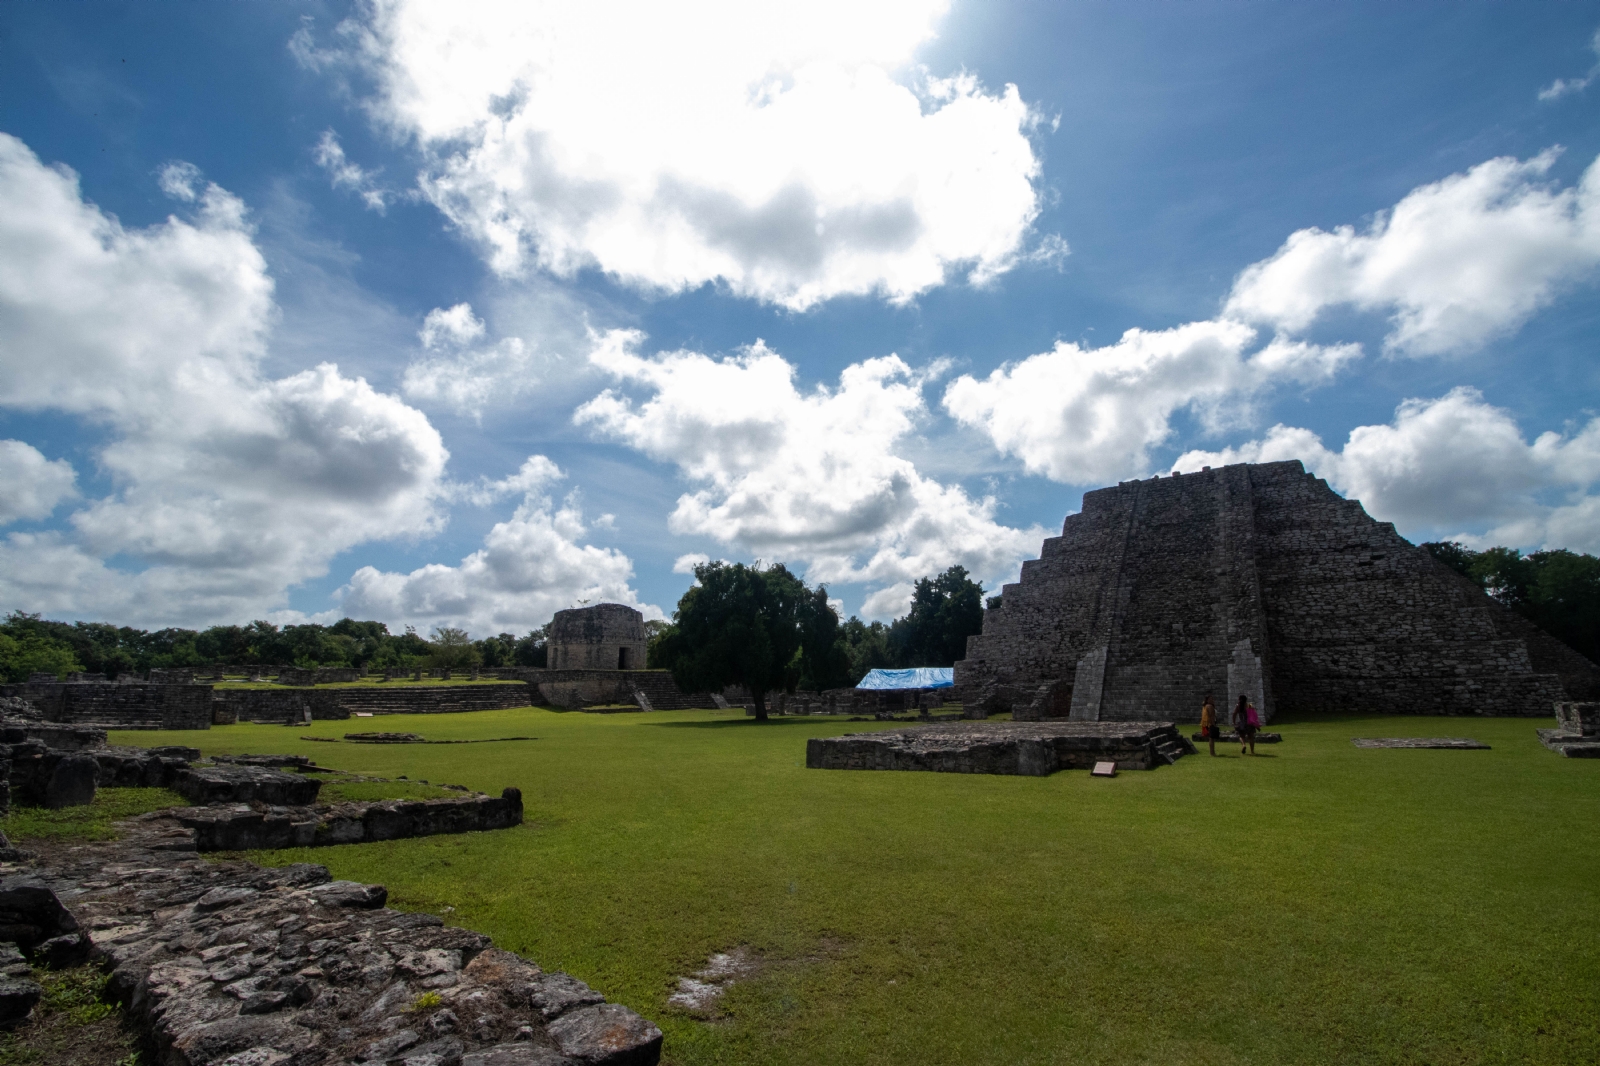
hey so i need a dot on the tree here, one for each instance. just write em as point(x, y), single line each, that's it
point(1563, 598)
point(533, 649)
point(28, 648)
point(945, 611)
point(497, 650)
point(867, 645)
point(451, 648)
point(658, 643)
point(738, 625)
point(824, 655)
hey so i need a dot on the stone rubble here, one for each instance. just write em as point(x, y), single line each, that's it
point(1577, 732)
point(252, 827)
point(230, 964)
point(1031, 749)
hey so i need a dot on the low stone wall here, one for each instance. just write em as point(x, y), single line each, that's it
point(287, 967)
point(284, 706)
point(854, 701)
point(576, 689)
point(119, 705)
point(244, 828)
point(322, 675)
point(56, 735)
point(31, 773)
point(1024, 748)
point(244, 784)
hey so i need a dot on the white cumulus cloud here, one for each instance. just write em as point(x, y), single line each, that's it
point(1452, 463)
point(458, 373)
point(801, 477)
point(791, 152)
point(229, 486)
point(1086, 415)
point(1456, 263)
point(529, 567)
point(30, 485)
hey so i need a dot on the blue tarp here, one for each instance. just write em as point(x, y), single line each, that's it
point(916, 677)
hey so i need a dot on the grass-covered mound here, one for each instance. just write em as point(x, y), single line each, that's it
point(1315, 903)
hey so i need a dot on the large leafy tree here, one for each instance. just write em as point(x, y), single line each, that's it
point(867, 644)
point(945, 611)
point(738, 625)
point(30, 653)
point(824, 653)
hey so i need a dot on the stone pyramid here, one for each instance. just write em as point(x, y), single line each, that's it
point(1256, 579)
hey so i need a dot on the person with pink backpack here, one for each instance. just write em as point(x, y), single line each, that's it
point(1246, 722)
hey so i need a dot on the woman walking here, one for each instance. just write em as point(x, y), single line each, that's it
point(1208, 722)
point(1245, 722)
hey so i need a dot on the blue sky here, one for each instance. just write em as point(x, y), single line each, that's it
point(462, 314)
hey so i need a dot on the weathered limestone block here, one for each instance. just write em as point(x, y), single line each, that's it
point(607, 1034)
point(30, 912)
point(245, 784)
point(18, 990)
point(73, 782)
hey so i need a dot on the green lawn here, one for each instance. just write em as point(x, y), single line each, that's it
point(1314, 904)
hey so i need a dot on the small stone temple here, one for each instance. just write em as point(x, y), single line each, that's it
point(607, 636)
point(1256, 579)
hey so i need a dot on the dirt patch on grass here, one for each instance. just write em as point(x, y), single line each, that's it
point(71, 1026)
point(699, 993)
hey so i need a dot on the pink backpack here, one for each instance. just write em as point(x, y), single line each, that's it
point(1251, 716)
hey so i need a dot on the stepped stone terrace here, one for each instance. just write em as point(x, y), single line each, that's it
point(1254, 579)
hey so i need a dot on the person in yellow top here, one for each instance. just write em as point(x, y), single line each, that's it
point(1208, 721)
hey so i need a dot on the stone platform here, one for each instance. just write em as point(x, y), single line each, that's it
point(1577, 732)
point(1030, 749)
point(1455, 743)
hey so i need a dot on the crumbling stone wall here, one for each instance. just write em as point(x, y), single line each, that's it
point(574, 689)
point(119, 704)
point(607, 636)
point(291, 704)
point(1256, 579)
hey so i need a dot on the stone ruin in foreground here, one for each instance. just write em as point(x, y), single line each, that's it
point(1255, 579)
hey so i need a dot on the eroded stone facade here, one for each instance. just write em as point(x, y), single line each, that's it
point(1253, 579)
point(607, 636)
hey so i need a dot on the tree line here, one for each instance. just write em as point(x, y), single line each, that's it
point(944, 610)
point(29, 644)
point(764, 629)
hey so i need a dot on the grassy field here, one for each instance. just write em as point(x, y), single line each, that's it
point(1314, 904)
